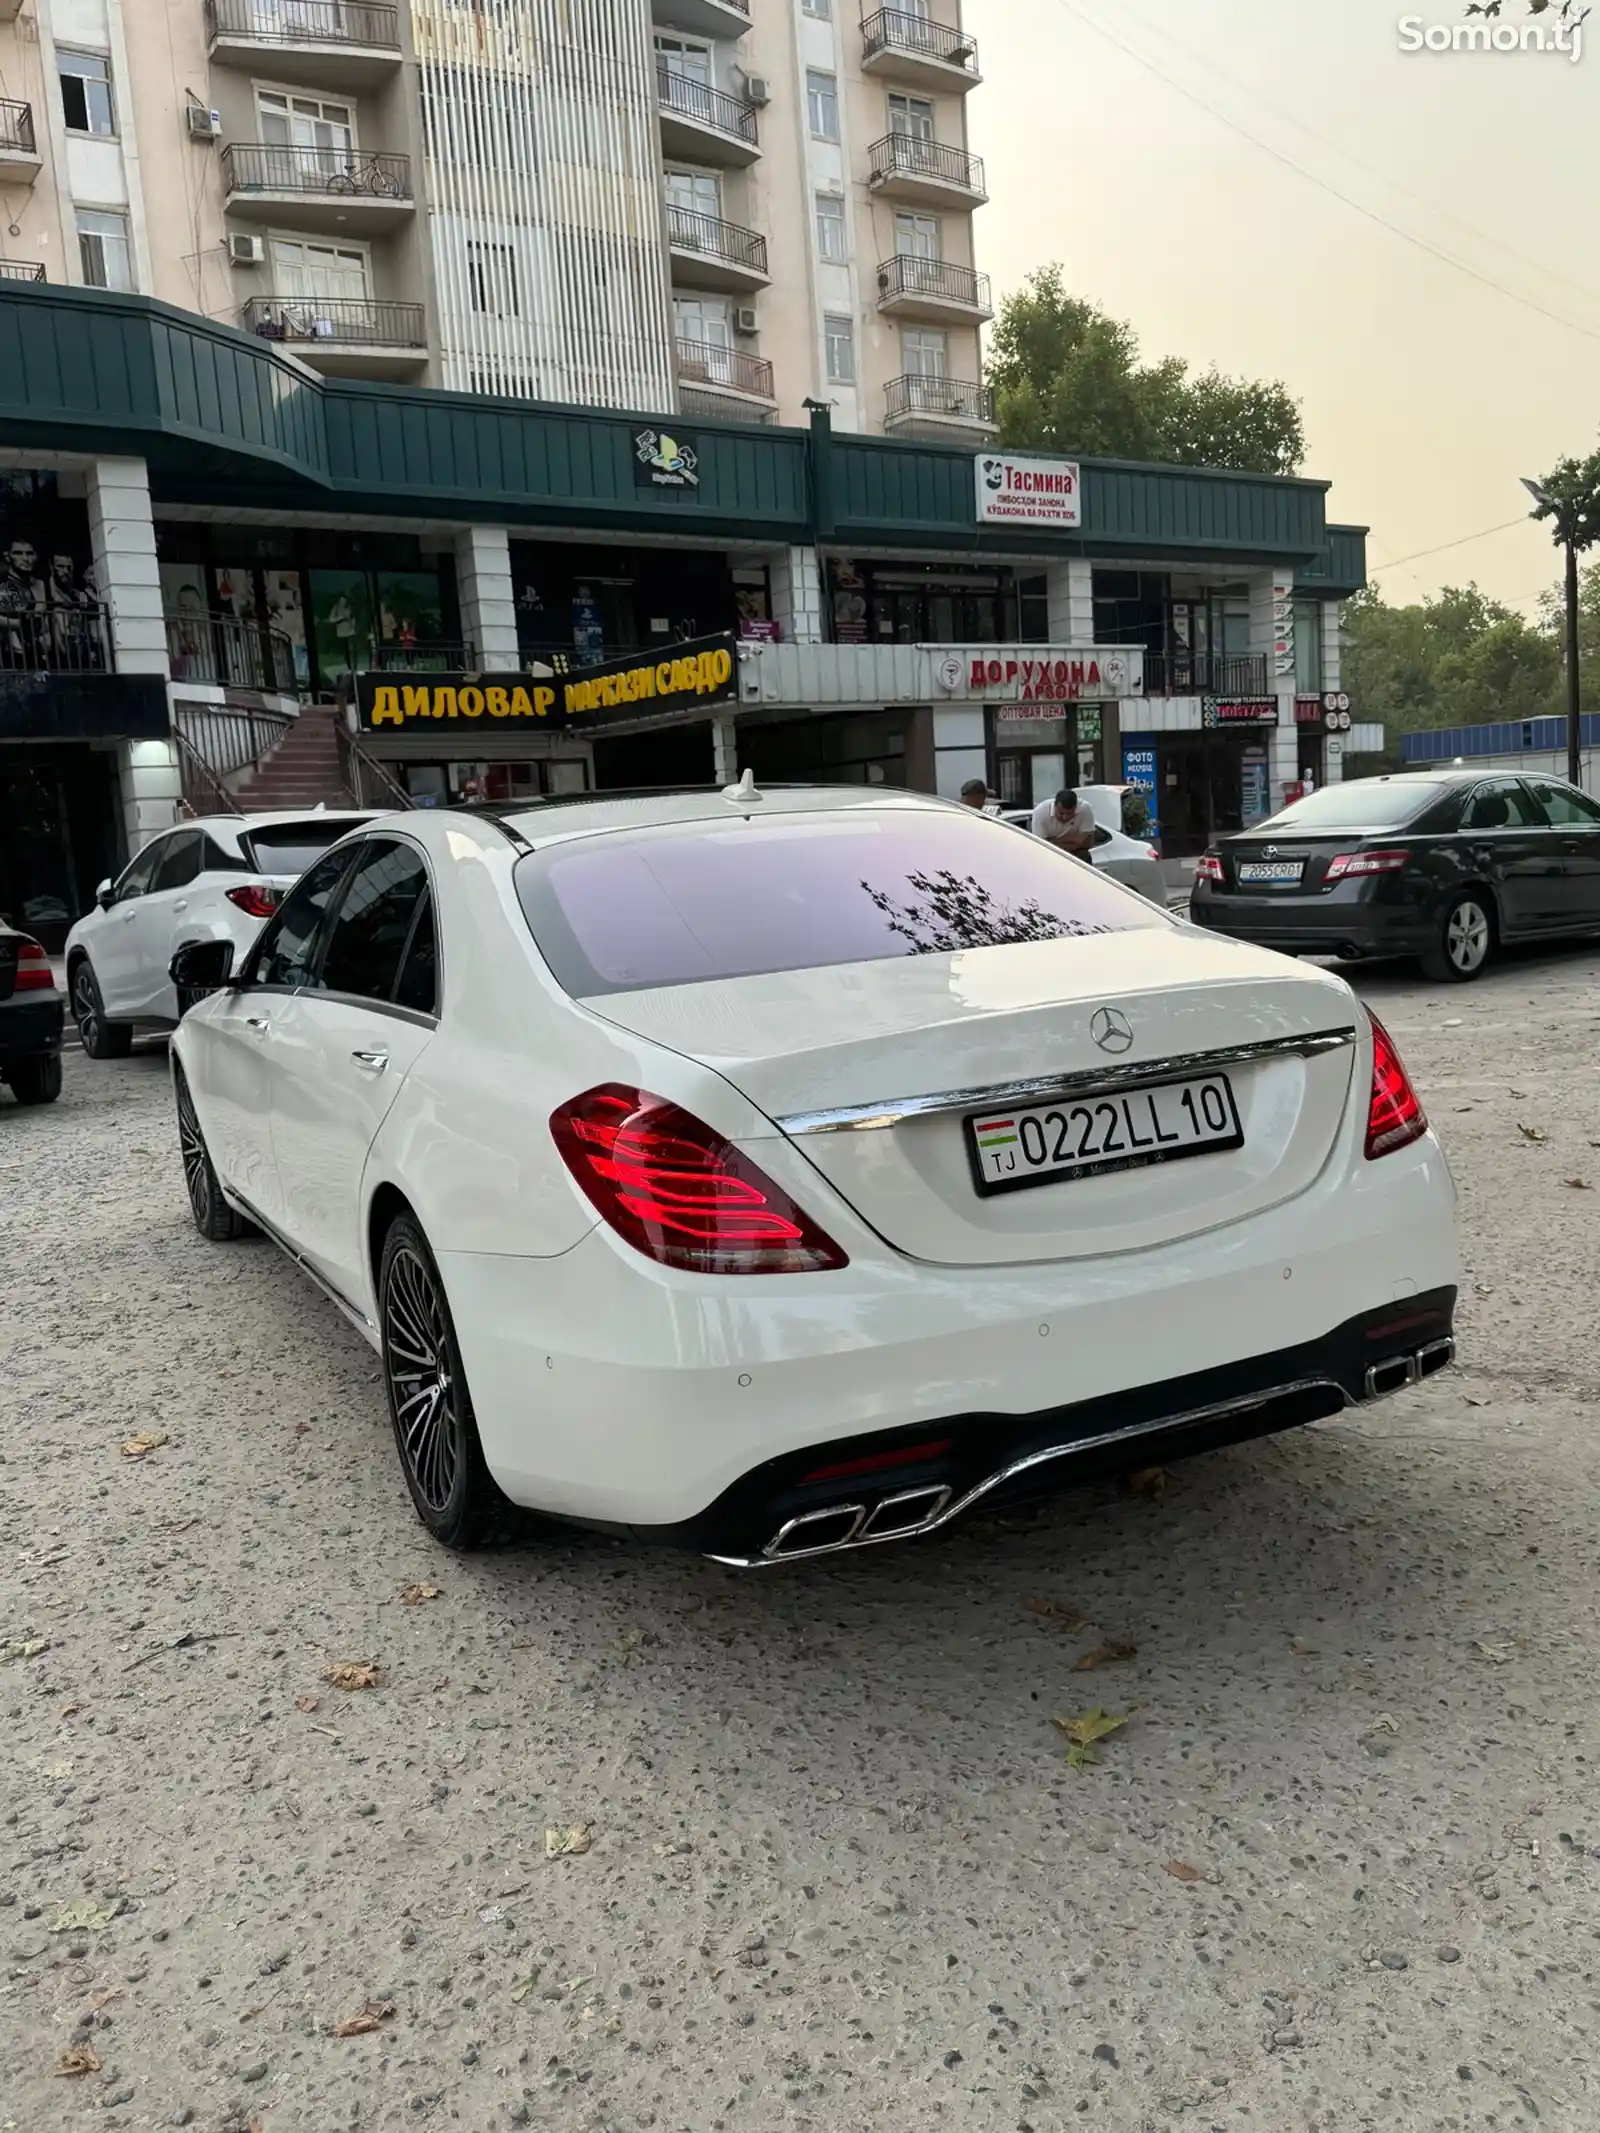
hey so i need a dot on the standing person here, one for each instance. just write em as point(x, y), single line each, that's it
point(1066, 823)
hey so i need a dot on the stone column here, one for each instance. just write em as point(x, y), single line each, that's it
point(724, 749)
point(1070, 592)
point(122, 536)
point(487, 602)
point(797, 595)
point(1332, 663)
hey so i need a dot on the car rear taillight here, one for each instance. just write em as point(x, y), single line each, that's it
point(1347, 863)
point(33, 969)
point(255, 899)
point(1206, 868)
point(680, 1193)
point(1395, 1117)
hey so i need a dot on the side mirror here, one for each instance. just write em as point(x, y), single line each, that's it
point(200, 967)
point(102, 895)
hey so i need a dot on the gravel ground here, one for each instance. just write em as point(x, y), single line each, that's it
point(1337, 1871)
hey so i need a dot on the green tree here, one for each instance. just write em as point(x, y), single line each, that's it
point(1068, 378)
point(1461, 659)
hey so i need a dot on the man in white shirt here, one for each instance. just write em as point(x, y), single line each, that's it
point(1066, 823)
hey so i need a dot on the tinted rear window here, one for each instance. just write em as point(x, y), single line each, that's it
point(1367, 803)
point(679, 905)
point(290, 847)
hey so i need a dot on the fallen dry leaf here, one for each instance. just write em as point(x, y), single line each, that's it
point(570, 1841)
point(524, 1985)
point(1148, 1481)
point(355, 1674)
point(23, 1648)
point(1181, 1870)
point(302, 1429)
point(1532, 1133)
point(71, 1710)
point(1578, 1184)
point(82, 1914)
point(1499, 1651)
point(1301, 1649)
point(148, 1440)
point(104, 1999)
point(1107, 1654)
point(1060, 1614)
point(414, 1595)
point(308, 1704)
point(365, 2019)
point(78, 2059)
point(1082, 1734)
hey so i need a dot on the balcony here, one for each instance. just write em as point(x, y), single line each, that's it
point(708, 253)
point(704, 124)
point(1181, 672)
point(326, 44)
point(904, 166)
point(227, 652)
point(912, 49)
point(910, 287)
point(72, 639)
point(937, 407)
point(702, 18)
point(724, 383)
point(341, 190)
point(19, 151)
point(22, 270)
point(343, 336)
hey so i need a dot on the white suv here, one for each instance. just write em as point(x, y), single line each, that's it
point(218, 878)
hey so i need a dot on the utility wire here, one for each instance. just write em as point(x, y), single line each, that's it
point(1464, 541)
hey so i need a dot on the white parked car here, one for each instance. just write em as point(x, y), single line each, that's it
point(217, 878)
point(1133, 860)
point(787, 1174)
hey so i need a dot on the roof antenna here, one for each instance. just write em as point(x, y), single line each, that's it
point(744, 792)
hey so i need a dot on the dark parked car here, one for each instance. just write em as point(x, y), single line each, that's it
point(30, 1019)
point(1443, 865)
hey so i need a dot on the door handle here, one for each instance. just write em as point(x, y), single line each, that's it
point(182, 904)
point(371, 1062)
point(259, 1023)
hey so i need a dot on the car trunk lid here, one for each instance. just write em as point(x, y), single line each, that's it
point(1299, 865)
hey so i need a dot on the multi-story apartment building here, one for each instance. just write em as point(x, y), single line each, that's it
point(711, 207)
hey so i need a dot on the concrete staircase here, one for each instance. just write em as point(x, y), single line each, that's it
point(303, 770)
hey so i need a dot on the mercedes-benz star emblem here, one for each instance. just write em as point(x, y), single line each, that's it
point(1111, 1030)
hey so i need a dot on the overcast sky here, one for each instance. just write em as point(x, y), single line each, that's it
point(1426, 392)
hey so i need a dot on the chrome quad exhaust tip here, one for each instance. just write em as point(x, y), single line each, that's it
point(857, 1525)
point(1403, 1370)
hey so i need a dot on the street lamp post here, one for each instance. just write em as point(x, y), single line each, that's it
point(1568, 531)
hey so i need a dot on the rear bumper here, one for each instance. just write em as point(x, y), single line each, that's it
point(1312, 925)
point(30, 1027)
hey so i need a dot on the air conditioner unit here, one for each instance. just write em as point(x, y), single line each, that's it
point(746, 319)
point(246, 251)
point(758, 89)
point(203, 125)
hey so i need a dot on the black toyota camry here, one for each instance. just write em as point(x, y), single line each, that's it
point(1443, 865)
point(30, 1019)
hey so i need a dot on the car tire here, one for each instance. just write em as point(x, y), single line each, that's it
point(1465, 942)
point(36, 1081)
point(430, 1405)
point(216, 1221)
point(100, 1039)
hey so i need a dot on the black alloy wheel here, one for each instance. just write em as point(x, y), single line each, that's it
point(100, 1039)
point(213, 1217)
point(1465, 941)
point(430, 1406)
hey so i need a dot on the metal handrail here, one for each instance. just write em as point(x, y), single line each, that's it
point(49, 637)
point(202, 790)
point(376, 322)
point(958, 397)
point(367, 782)
point(16, 127)
point(231, 652)
point(21, 270)
point(891, 29)
point(268, 167)
point(291, 22)
point(1180, 672)
point(908, 274)
point(709, 363)
point(697, 100)
point(229, 742)
point(691, 231)
point(908, 155)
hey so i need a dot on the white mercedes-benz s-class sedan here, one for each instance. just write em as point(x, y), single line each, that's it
point(780, 1173)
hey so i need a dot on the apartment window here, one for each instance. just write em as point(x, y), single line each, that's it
point(822, 9)
point(705, 339)
point(822, 104)
point(492, 279)
point(911, 115)
point(676, 55)
point(833, 238)
point(840, 336)
point(696, 192)
point(318, 270)
point(86, 92)
point(925, 351)
point(917, 236)
point(307, 122)
point(103, 249)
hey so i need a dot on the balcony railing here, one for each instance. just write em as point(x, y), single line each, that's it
point(292, 22)
point(434, 657)
point(909, 155)
point(706, 106)
point(891, 29)
point(707, 363)
point(373, 322)
point(16, 128)
point(691, 231)
point(231, 653)
point(73, 638)
point(952, 399)
point(907, 275)
point(1184, 673)
point(21, 270)
point(264, 167)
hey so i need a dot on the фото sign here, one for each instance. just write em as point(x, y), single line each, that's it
point(1039, 674)
point(680, 677)
point(1016, 491)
